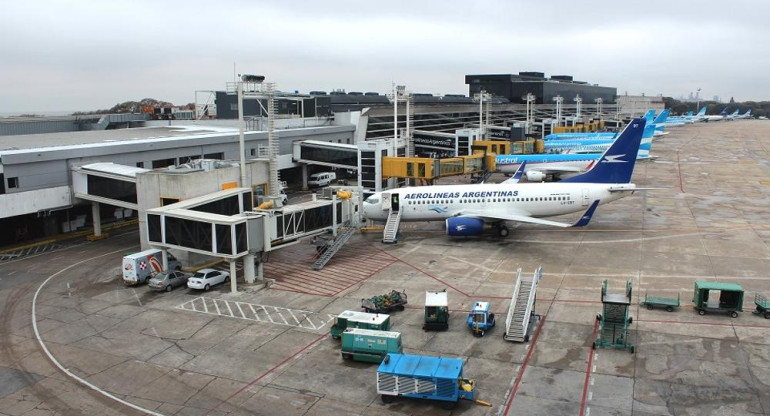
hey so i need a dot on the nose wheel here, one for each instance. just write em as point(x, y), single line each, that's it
point(503, 231)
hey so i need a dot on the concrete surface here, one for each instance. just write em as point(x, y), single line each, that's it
point(712, 224)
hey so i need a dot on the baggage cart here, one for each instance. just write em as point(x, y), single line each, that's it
point(763, 305)
point(669, 304)
point(386, 303)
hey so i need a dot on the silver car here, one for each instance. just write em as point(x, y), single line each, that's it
point(168, 280)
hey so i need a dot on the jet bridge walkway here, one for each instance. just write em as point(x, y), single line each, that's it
point(521, 314)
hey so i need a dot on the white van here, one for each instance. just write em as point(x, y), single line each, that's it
point(141, 267)
point(321, 179)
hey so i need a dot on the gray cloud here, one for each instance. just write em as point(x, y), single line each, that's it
point(85, 55)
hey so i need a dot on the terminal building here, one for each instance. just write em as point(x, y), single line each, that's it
point(516, 87)
point(56, 178)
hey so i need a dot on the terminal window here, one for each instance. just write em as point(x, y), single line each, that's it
point(13, 182)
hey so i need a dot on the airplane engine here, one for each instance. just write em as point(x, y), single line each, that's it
point(535, 176)
point(462, 226)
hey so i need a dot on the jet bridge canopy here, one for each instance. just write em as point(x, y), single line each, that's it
point(108, 183)
point(337, 155)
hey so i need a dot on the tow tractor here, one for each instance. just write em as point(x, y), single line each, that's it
point(480, 320)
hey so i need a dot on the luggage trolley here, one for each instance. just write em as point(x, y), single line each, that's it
point(614, 320)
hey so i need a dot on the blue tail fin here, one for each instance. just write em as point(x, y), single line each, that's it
point(662, 117)
point(702, 111)
point(724, 112)
point(649, 115)
point(748, 113)
point(617, 163)
point(689, 114)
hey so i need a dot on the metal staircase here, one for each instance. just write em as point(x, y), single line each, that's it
point(390, 233)
point(615, 320)
point(521, 313)
point(332, 249)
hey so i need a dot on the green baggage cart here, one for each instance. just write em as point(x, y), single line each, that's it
point(718, 297)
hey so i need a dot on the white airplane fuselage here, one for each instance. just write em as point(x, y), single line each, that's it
point(437, 203)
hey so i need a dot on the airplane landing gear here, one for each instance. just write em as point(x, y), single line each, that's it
point(502, 231)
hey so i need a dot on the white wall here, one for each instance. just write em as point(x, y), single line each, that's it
point(20, 203)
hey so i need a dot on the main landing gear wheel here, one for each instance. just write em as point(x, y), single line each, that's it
point(503, 231)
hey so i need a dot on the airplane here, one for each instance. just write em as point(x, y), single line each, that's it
point(721, 116)
point(745, 115)
point(467, 208)
point(597, 142)
point(732, 116)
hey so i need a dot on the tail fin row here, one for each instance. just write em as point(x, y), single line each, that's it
point(617, 163)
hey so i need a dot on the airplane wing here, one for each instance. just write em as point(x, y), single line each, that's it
point(517, 176)
point(493, 216)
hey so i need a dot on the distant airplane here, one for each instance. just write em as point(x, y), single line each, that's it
point(467, 208)
point(745, 115)
point(596, 143)
point(721, 116)
point(732, 116)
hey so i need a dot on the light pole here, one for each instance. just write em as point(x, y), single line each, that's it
point(697, 97)
point(559, 100)
point(579, 101)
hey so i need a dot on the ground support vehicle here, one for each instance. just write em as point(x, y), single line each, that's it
point(718, 297)
point(424, 377)
point(436, 311)
point(140, 267)
point(763, 306)
point(480, 320)
point(368, 345)
point(669, 304)
point(386, 303)
point(362, 320)
point(614, 320)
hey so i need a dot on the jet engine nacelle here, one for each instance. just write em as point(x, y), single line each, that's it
point(535, 176)
point(461, 226)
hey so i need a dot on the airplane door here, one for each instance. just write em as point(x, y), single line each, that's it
point(394, 202)
point(586, 197)
point(385, 202)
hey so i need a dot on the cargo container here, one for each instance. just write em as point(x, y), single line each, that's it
point(362, 320)
point(718, 297)
point(368, 345)
point(424, 377)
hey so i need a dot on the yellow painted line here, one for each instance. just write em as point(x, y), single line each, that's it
point(764, 182)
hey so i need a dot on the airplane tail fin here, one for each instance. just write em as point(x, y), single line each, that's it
point(617, 163)
point(646, 145)
point(689, 114)
point(649, 116)
point(662, 117)
point(702, 111)
point(748, 113)
point(724, 112)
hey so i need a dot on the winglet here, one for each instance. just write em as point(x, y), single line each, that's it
point(517, 176)
point(586, 218)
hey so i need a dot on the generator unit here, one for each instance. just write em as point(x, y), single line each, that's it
point(436, 311)
point(356, 319)
point(368, 345)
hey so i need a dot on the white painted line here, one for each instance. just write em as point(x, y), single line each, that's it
point(295, 318)
point(136, 296)
point(57, 363)
point(216, 306)
point(267, 313)
point(592, 381)
point(309, 320)
point(281, 315)
point(229, 309)
point(593, 370)
point(238, 304)
point(254, 312)
point(590, 395)
point(588, 410)
point(205, 306)
point(12, 273)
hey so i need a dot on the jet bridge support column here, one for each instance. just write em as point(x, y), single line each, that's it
point(248, 268)
point(304, 177)
point(233, 283)
point(97, 219)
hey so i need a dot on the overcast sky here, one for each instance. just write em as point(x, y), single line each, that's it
point(87, 55)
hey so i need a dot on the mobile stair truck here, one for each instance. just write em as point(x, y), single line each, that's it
point(614, 320)
point(424, 377)
point(436, 311)
point(369, 346)
point(362, 320)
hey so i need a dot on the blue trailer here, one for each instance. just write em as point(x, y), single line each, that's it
point(424, 377)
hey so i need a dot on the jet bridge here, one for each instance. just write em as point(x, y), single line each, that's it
point(194, 226)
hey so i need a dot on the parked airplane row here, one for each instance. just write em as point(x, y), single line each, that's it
point(467, 208)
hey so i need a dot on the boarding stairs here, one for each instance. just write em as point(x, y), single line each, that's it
point(615, 319)
point(330, 250)
point(522, 308)
point(390, 233)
